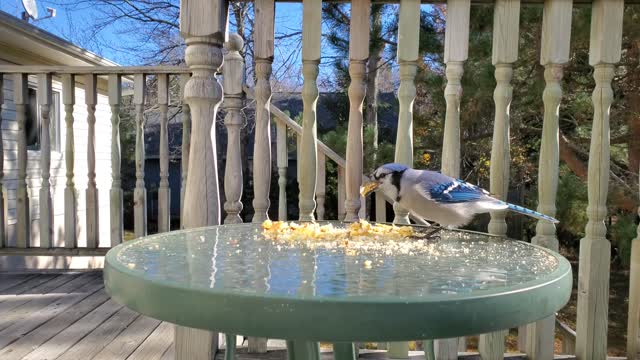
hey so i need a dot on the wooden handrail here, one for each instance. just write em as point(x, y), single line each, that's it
point(284, 119)
point(568, 337)
point(98, 70)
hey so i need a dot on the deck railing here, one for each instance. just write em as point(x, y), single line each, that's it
point(203, 93)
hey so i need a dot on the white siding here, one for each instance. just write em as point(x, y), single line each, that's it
point(58, 168)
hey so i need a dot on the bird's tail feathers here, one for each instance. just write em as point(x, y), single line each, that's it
point(493, 204)
point(531, 213)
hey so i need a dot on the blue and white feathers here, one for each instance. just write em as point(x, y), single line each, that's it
point(440, 198)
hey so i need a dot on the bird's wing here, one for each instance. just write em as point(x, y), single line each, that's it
point(452, 192)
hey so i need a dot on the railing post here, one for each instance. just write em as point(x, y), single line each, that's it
point(595, 249)
point(21, 100)
point(140, 192)
point(263, 38)
point(263, 54)
point(556, 33)
point(115, 195)
point(91, 99)
point(46, 211)
point(233, 75)
point(186, 143)
point(505, 52)
point(202, 25)
point(408, 39)
point(321, 184)
point(283, 164)
point(164, 192)
point(311, 31)
point(456, 45)
point(3, 235)
point(70, 201)
point(358, 55)
point(342, 196)
point(633, 321)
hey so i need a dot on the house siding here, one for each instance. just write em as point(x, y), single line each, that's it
point(58, 168)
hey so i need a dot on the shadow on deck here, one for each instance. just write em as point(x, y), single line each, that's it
point(69, 316)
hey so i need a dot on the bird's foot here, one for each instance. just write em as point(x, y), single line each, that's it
point(433, 233)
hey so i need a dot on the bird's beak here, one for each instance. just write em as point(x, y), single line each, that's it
point(368, 188)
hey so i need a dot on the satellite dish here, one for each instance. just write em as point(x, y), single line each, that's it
point(30, 9)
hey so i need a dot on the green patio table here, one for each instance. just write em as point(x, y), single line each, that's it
point(231, 279)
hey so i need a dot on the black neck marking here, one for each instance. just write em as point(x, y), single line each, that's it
point(395, 181)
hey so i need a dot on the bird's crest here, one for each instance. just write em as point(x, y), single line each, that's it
point(395, 167)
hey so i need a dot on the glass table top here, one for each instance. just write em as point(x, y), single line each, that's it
point(232, 279)
point(239, 259)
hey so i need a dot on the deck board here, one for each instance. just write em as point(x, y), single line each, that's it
point(74, 333)
point(155, 345)
point(36, 318)
point(46, 331)
point(101, 336)
point(33, 305)
point(10, 280)
point(70, 316)
point(129, 340)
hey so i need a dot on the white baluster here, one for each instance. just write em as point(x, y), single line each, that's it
point(233, 75)
point(263, 38)
point(202, 25)
point(263, 49)
point(556, 33)
point(381, 208)
point(91, 99)
point(358, 55)
point(321, 185)
point(342, 196)
point(283, 163)
point(115, 195)
point(21, 100)
point(3, 235)
point(70, 205)
point(164, 192)
point(46, 213)
point(633, 321)
point(311, 32)
point(186, 143)
point(140, 192)
point(505, 53)
point(595, 249)
point(456, 46)
point(408, 39)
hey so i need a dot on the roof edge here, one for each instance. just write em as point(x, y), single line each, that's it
point(53, 41)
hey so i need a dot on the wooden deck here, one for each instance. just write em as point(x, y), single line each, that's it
point(69, 316)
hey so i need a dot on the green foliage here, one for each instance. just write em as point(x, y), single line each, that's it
point(623, 231)
point(571, 207)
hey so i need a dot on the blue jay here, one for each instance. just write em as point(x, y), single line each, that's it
point(439, 198)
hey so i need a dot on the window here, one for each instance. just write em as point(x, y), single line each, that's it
point(34, 121)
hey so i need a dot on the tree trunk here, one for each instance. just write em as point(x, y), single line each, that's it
point(632, 117)
point(573, 160)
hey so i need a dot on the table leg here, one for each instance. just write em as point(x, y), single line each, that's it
point(429, 351)
point(344, 351)
point(230, 343)
point(398, 350)
point(302, 350)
